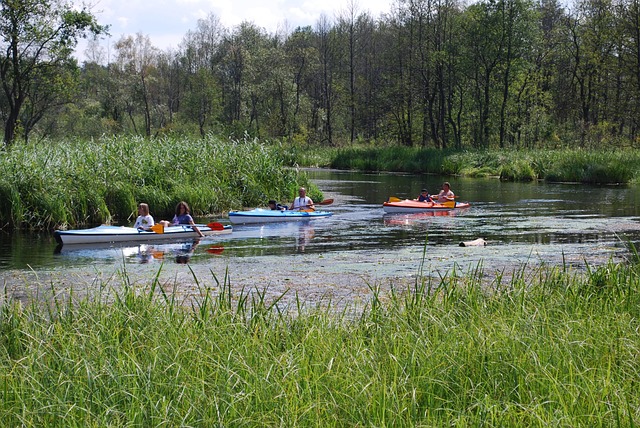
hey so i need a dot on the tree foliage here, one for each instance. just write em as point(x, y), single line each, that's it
point(431, 73)
point(36, 62)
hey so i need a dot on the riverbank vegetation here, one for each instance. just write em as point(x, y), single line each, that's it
point(559, 165)
point(620, 166)
point(73, 183)
point(545, 347)
point(91, 182)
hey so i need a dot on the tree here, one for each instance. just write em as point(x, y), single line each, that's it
point(326, 94)
point(485, 55)
point(38, 39)
point(303, 58)
point(137, 60)
point(396, 56)
point(517, 34)
point(347, 25)
point(630, 57)
point(201, 65)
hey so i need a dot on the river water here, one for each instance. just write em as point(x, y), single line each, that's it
point(359, 248)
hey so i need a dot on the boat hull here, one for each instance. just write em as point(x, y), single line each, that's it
point(108, 234)
point(412, 206)
point(259, 215)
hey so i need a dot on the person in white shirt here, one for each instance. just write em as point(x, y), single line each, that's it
point(144, 220)
point(302, 202)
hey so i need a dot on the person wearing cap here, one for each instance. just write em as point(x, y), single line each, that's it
point(276, 206)
point(424, 196)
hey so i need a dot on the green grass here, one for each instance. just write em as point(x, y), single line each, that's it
point(545, 347)
point(566, 165)
point(74, 183)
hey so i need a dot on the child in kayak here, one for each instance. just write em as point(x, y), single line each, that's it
point(144, 220)
point(424, 196)
point(273, 205)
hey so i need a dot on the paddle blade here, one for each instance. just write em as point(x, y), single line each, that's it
point(215, 249)
point(215, 226)
point(325, 202)
point(157, 228)
point(394, 199)
point(449, 204)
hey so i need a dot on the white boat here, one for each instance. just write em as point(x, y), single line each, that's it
point(260, 215)
point(106, 234)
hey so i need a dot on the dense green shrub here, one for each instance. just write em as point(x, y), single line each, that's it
point(517, 171)
point(76, 183)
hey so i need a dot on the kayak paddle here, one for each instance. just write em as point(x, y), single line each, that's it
point(308, 209)
point(158, 228)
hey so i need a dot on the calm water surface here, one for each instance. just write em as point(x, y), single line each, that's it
point(522, 223)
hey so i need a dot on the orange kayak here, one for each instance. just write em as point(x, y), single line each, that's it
point(413, 206)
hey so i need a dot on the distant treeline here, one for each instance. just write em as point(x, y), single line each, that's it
point(443, 75)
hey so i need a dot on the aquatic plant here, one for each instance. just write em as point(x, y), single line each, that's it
point(577, 165)
point(536, 347)
point(76, 183)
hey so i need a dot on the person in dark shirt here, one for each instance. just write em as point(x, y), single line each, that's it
point(424, 196)
point(183, 216)
point(276, 206)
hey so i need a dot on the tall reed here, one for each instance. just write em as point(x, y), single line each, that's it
point(577, 165)
point(90, 182)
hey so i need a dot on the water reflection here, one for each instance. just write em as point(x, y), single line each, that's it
point(147, 255)
point(306, 233)
point(273, 238)
point(395, 219)
point(180, 252)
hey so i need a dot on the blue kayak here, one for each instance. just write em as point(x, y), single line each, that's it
point(260, 215)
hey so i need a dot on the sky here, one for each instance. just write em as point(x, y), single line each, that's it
point(167, 21)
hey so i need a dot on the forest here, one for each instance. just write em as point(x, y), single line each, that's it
point(436, 74)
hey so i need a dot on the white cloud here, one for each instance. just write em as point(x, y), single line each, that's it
point(167, 21)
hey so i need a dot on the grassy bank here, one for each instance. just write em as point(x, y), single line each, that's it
point(619, 166)
point(541, 349)
point(74, 183)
